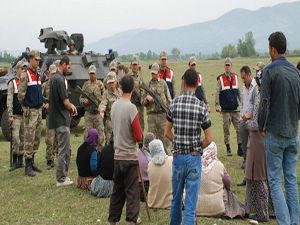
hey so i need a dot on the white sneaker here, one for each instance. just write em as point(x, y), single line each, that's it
point(67, 182)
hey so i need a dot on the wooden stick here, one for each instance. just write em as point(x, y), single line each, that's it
point(144, 192)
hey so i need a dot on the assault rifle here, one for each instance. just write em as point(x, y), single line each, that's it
point(90, 97)
point(157, 100)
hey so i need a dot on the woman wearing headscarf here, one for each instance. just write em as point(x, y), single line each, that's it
point(258, 201)
point(88, 160)
point(160, 176)
point(144, 158)
point(215, 197)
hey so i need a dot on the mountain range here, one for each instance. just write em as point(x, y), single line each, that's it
point(211, 36)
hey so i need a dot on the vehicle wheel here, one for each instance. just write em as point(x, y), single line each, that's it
point(75, 122)
point(5, 125)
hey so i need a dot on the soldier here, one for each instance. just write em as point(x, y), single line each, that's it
point(110, 95)
point(137, 93)
point(31, 98)
point(166, 73)
point(51, 139)
point(94, 88)
point(227, 96)
point(72, 48)
point(156, 115)
point(113, 66)
point(259, 67)
point(15, 117)
point(200, 92)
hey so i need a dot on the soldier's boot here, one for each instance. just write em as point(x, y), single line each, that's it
point(20, 161)
point(240, 150)
point(50, 164)
point(34, 167)
point(229, 153)
point(15, 162)
point(28, 168)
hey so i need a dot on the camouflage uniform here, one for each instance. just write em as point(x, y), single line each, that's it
point(91, 116)
point(50, 137)
point(113, 66)
point(157, 118)
point(137, 97)
point(32, 121)
point(228, 117)
point(109, 97)
point(18, 123)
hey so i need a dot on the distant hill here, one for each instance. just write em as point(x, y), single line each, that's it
point(209, 37)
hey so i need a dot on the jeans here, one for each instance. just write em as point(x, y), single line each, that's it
point(64, 152)
point(186, 173)
point(282, 155)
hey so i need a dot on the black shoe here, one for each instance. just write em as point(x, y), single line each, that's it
point(15, 162)
point(229, 153)
point(50, 164)
point(243, 183)
point(20, 161)
point(240, 151)
point(34, 167)
point(28, 168)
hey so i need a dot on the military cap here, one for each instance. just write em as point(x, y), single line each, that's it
point(154, 68)
point(163, 55)
point(259, 66)
point(52, 68)
point(111, 77)
point(21, 63)
point(113, 65)
point(92, 69)
point(193, 60)
point(56, 63)
point(35, 53)
point(135, 60)
point(71, 42)
point(228, 61)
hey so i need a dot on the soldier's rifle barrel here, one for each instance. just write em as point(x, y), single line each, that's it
point(154, 96)
point(89, 97)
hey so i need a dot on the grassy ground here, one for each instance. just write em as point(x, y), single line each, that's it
point(25, 200)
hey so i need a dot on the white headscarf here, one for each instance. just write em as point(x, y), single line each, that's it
point(209, 157)
point(157, 152)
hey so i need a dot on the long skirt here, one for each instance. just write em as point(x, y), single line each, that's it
point(233, 207)
point(101, 188)
point(258, 200)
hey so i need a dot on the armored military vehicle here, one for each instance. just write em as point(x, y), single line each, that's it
point(56, 43)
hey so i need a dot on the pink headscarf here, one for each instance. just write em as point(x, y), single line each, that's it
point(209, 157)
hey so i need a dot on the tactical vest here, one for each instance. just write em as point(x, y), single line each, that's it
point(229, 92)
point(167, 75)
point(17, 108)
point(33, 97)
point(199, 91)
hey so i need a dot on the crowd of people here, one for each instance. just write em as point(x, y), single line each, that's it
point(117, 161)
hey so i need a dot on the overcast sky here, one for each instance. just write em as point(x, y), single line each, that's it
point(21, 20)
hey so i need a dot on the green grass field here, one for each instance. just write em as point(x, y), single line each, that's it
point(28, 201)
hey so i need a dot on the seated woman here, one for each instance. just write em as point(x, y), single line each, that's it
point(160, 176)
point(102, 185)
point(215, 197)
point(144, 158)
point(88, 160)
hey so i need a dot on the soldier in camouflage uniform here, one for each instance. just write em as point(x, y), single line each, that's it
point(110, 95)
point(226, 101)
point(72, 48)
point(51, 139)
point(156, 115)
point(31, 99)
point(15, 117)
point(94, 88)
point(137, 93)
point(113, 66)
